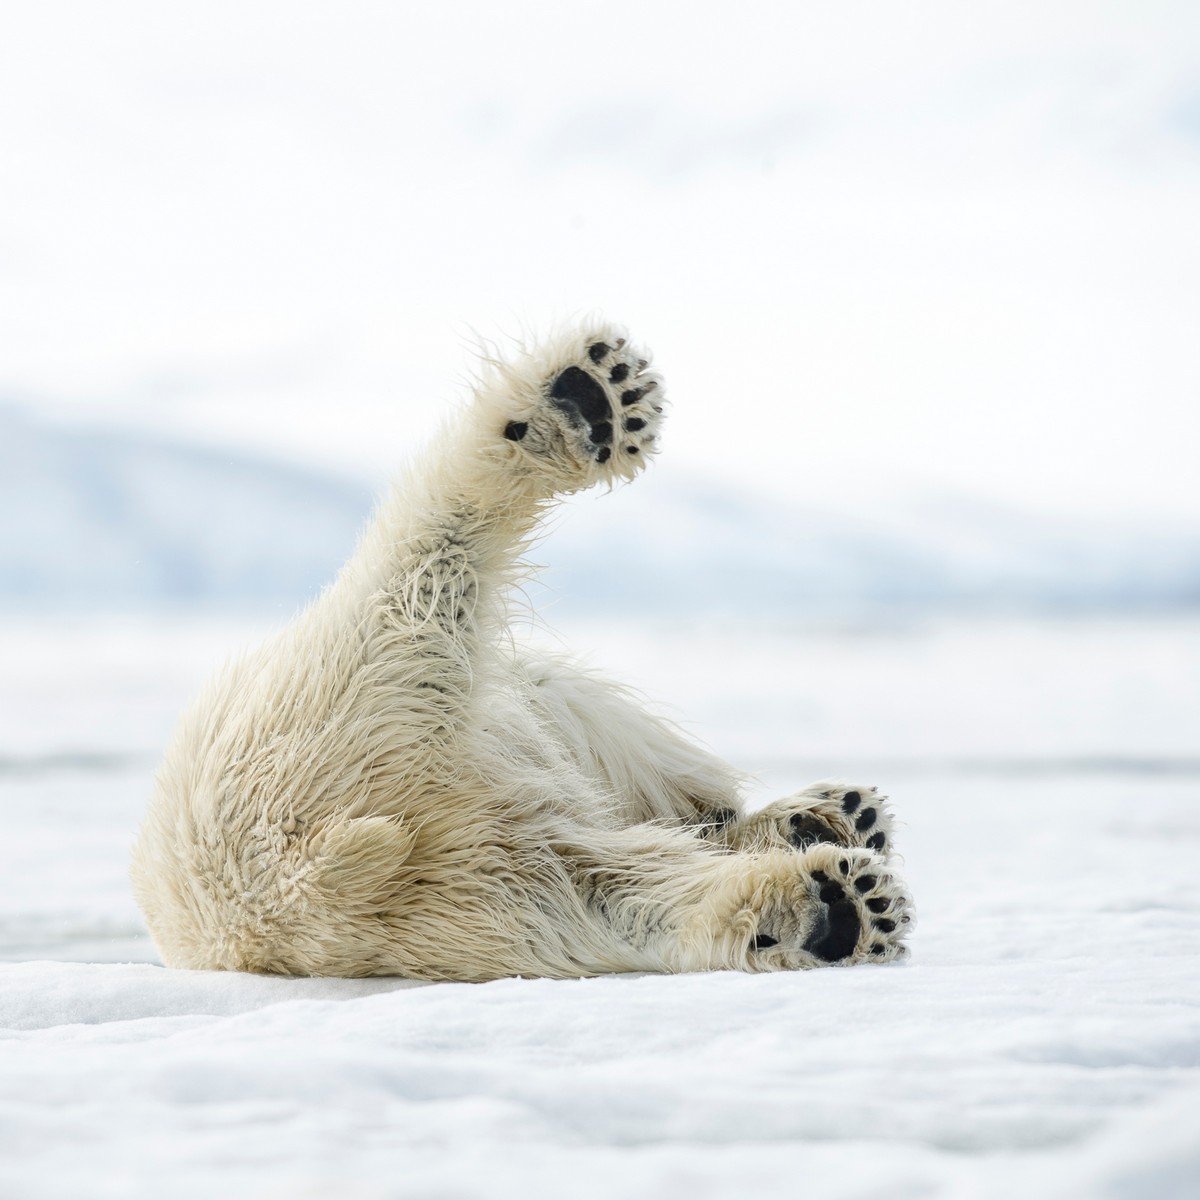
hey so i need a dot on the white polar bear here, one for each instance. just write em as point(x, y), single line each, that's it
point(393, 787)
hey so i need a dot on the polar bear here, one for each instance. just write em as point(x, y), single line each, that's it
point(393, 786)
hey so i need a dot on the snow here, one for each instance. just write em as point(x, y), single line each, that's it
point(1043, 1040)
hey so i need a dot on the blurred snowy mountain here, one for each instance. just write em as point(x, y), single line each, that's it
point(117, 519)
point(700, 549)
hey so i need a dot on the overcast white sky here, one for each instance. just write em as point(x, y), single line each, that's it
point(938, 245)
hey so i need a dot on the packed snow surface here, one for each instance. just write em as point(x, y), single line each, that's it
point(1043, 1039)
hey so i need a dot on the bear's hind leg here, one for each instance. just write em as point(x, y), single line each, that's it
point(676, 904)
point(643, 764)
point(427, 588)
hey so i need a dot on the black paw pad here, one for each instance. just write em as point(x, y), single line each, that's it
point(619, 373)
point(764, 941)
point(601, 434)
point(516, 430)
point(877, 841)
point(807, 830)
point(603, 454)
point(633, 424)
point(575, 392)
point(836, 933)
point(633, 395)
point(866, 819)
point(864, 883)
point(884, 925)
point(878, 904)
point(597, 351)
point(878, 949)
point(850, 801)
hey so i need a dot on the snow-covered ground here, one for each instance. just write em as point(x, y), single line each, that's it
point(1043, 1040)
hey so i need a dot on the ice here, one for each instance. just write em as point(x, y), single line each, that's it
point(1043, 1040)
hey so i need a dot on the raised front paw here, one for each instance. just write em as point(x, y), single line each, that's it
point(849, 908)
point(838, 813)
point(599, 407)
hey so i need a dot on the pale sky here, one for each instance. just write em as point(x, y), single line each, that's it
point(937, 247)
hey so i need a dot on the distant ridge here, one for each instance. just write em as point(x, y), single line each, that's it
point(117, 519)
point(698, 546)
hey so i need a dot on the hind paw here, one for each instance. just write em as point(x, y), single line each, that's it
point(848, 908)
point(597, 410)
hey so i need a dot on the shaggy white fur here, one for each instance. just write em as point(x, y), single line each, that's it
point(393, 787)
